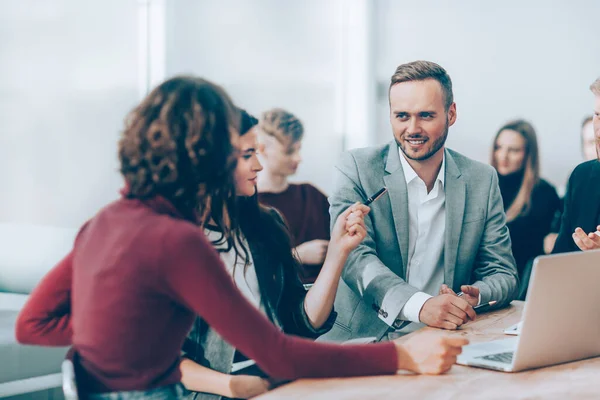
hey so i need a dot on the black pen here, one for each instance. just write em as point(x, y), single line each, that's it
point(377, 195)
point(484, 307)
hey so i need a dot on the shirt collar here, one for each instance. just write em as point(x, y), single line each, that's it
point(410, 174)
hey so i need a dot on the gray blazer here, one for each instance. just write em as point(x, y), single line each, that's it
point(477, 245)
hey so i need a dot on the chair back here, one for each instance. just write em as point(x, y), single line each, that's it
point(69, 384)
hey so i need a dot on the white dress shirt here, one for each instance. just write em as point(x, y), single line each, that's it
point(244, 279)
point(426, 234)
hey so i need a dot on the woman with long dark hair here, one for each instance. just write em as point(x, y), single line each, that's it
point(256, 249)
point(529, 201)
point(141, 269)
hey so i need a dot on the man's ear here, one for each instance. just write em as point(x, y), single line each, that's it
point(452, 114)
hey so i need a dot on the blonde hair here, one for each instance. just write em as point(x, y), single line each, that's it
point(595, 87)
point(522, 202)
point(282, 125)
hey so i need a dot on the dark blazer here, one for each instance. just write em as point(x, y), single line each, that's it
point(279, 284)
point(582, 205)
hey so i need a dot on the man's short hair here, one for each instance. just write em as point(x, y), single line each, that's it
point(422, 70)
point(595, 87)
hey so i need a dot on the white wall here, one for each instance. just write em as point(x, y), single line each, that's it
point(70, 72)
point(533, 59)
point(68, 76)
point(267, 53)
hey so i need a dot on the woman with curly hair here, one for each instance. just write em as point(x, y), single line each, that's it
point(141, 269)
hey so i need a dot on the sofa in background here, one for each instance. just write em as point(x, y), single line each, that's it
point(27, 252)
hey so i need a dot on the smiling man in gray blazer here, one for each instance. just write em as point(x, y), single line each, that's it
point(440, 230)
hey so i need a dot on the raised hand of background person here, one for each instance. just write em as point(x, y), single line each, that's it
point(590, 241)
point(446, 311)
point(429, 352)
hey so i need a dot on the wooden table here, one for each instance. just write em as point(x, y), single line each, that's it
point(577, 380)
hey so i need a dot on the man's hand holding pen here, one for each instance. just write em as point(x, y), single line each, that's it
point(468, 292)
point(471, 295)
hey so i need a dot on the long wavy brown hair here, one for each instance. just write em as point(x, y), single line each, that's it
point(231, 235)
point(531, 165)
point(178, 143)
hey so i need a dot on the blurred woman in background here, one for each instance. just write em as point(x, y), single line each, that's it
point(529, 201)
point(304, 207)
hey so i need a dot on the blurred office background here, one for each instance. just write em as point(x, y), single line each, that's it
point(70, 70)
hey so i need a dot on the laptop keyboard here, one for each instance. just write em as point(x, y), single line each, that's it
point(505, 358)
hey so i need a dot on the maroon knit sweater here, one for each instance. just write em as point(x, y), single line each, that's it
point(126, 296)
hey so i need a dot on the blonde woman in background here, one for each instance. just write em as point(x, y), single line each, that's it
point(529, 201)
point(304, 207)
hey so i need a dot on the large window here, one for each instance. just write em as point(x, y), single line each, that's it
point(69, 73)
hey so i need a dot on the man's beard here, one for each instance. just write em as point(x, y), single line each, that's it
point(435, 147)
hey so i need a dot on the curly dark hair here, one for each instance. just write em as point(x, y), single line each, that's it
point(177, 143)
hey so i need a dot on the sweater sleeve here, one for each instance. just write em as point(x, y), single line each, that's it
point(196, 278)
point(46, 317)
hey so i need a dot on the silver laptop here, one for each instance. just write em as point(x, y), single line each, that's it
point(561, 318)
